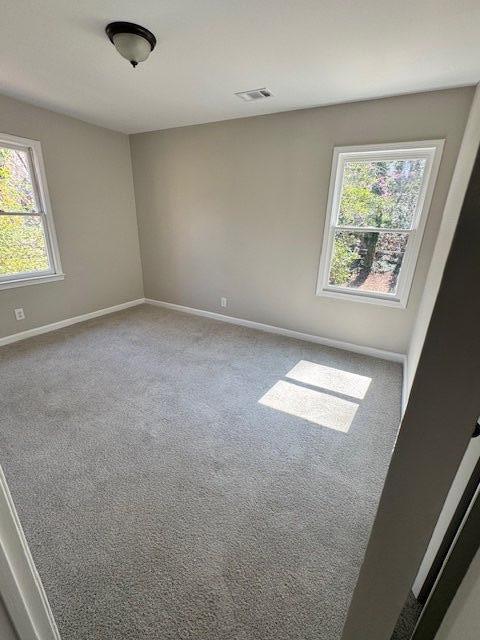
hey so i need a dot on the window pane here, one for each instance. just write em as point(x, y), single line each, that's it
point(22, 245)
point(380, 194)
point(367, 260)
point(16, 188)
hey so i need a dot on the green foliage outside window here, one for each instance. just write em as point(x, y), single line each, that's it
point(342, 259)
point(22, 238)
point(376, 194)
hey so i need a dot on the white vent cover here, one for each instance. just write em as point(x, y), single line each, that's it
point(254, 94)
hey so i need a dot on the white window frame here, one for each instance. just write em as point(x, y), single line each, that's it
point(39, 182)
point(431, 151)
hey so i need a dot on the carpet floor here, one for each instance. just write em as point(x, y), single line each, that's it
point(182, 478)
point(408, 619)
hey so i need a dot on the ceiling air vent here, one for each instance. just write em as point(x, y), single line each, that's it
point(254, 94)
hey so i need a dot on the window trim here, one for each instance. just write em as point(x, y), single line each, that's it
point(39, 182)
point(431, 151)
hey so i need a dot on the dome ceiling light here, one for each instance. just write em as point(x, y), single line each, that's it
point(133, 42)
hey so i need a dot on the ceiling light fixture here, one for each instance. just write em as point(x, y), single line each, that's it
point(133, 42)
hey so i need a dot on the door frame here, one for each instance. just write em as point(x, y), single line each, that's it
point(451, 534)
point(441, 411)
point(455, 567)
point(21, 588)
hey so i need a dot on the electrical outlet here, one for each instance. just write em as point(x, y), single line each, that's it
point(223, 302)
point(20, 314)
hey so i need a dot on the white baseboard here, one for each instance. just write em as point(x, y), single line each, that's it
point(20, 584)
point(289, 333)
point(15, 337)
point(307, 337)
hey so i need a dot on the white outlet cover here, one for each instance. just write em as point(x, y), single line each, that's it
point(19, 314)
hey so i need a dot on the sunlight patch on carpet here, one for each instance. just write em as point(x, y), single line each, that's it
point(319, 408)
point(337, 380)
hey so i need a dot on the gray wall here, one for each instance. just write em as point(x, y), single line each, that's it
point(237, 209)
point(7, 631)
point(90, 183)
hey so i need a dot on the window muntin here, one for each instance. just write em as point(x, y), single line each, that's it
point(28, 249)
point(378, 202)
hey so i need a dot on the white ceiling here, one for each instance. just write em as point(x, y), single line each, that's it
point(54, 53)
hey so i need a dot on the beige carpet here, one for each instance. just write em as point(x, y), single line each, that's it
point(181, 478)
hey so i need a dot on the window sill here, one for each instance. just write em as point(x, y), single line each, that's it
point(353, 296)
point(23, 282)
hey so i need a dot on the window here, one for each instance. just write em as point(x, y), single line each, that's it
point(28, 246)
point(377, 208)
